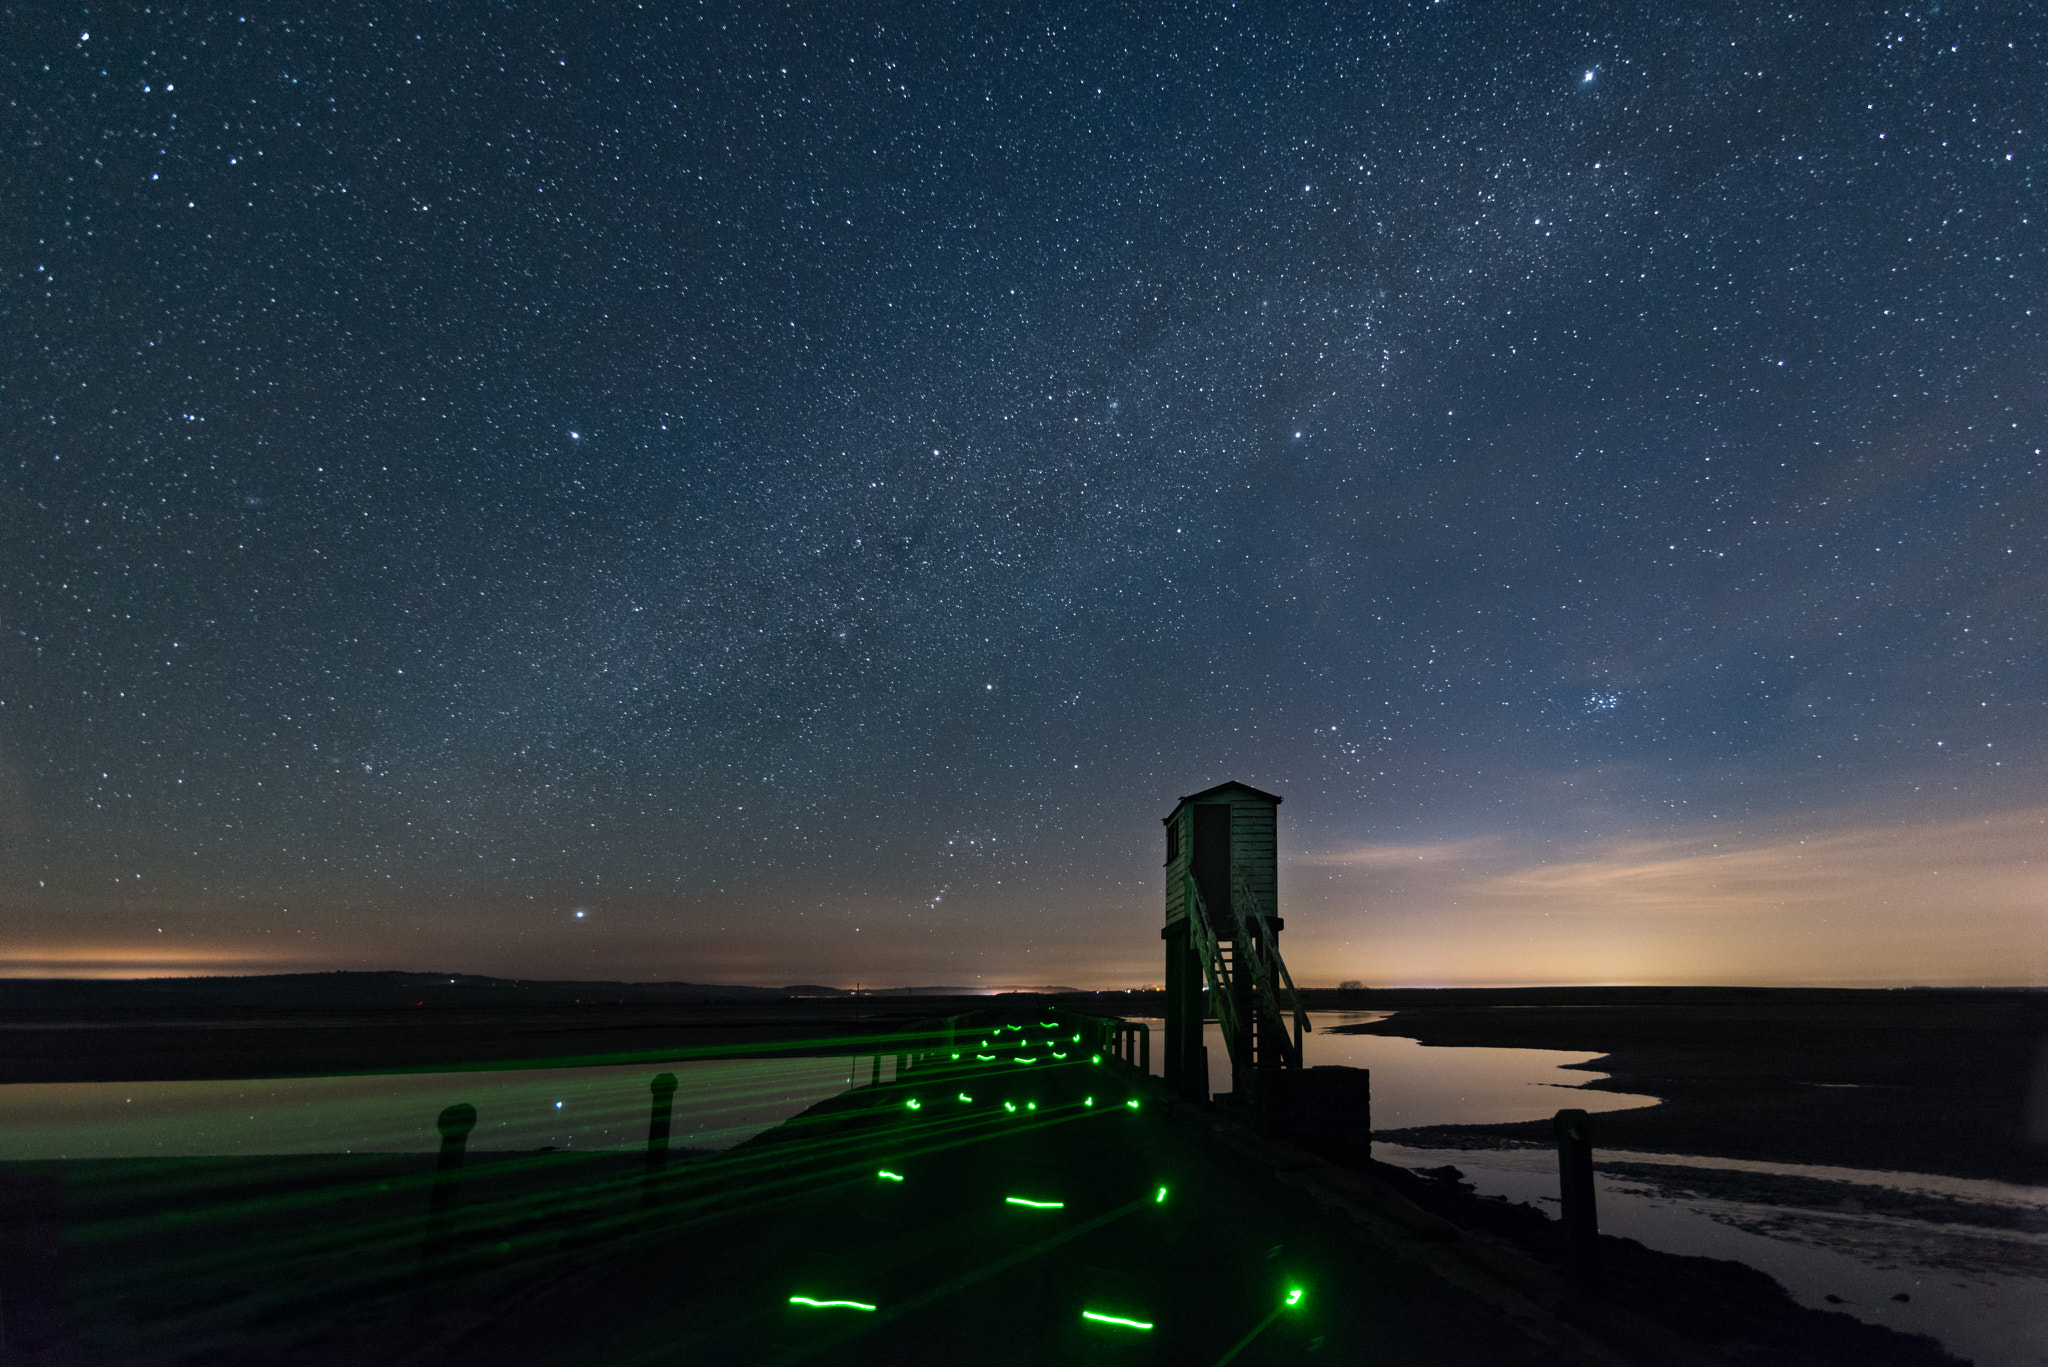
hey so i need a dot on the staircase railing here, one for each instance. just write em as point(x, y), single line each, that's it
point(1276, 971)
point(1218, 974)
point(1249, 955)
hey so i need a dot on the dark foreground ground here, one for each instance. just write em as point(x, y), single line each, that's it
point(554, 1258)
point(1158, 1214)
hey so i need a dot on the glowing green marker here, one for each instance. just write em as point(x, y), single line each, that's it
point(987, 1058)
point(888, 1176)
point(1077, 1039)
point(1009, 1105)
point(1096, 1059)
point(914, 1104)
point(966, 1098)
point(1048, 1025)
point(1030, 1105)
point(1089, 1102)
point(1161, 1198)
point(1057, 1054)
point(1114, 1319)
point(1293, 1296)
point(1036, 1205)
point(1132, 1103)
point(829, 1305)
point(1021, 1059)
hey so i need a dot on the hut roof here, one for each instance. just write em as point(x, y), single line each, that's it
point(1233, 786)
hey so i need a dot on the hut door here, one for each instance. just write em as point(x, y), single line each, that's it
point(1211, 861)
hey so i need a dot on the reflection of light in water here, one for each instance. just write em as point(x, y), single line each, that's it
point(1416, 1084)
point(1864, 1259)
point(719, 1103)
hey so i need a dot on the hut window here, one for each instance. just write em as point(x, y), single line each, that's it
point(1172, 841)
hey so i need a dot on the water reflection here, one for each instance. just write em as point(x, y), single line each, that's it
point(1416, 1084)
point(1977, 1287)
point(719, 1103)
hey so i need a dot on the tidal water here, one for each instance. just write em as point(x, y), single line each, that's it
point(1971, 1257)
point(717, 1104)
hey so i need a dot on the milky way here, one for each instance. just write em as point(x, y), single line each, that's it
point(746, 494)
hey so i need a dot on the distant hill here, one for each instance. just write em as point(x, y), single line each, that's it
point(981, 991)
point(359, 990)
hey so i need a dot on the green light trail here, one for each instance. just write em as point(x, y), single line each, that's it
point(502, 1189)
point(1114, 1319)
point(1132, 1103)
point(1293, 1298)
point(1160, 1199)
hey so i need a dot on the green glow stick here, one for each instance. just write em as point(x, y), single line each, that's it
point(966, 1098)
point(889, 1176)
point(1048, 1025)
point(914, 1104)
point(829, 1305)
point(1022, 1059)
point(1161, 1197)
point(1036, 1205)
point(1293, 1296)
point(1114, 1319)
point(1058, 1054)
point(1132, 1103)
point(1009, 1105)
point(1089, 1102)
point(991, 1058)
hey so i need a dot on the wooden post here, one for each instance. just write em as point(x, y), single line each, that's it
point(663, 1089)
point(455, 1123)
point(875, 1078)
point(1575, 1190)
point(1144, 1047)
point(1187, 1060)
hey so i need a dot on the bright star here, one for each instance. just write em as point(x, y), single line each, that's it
point(1588, 76)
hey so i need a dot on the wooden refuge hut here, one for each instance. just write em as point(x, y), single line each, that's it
point(1223, 942)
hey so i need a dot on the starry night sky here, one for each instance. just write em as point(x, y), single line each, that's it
point(808, 488)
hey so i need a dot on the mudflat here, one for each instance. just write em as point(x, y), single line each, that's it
point(1917, 1081)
